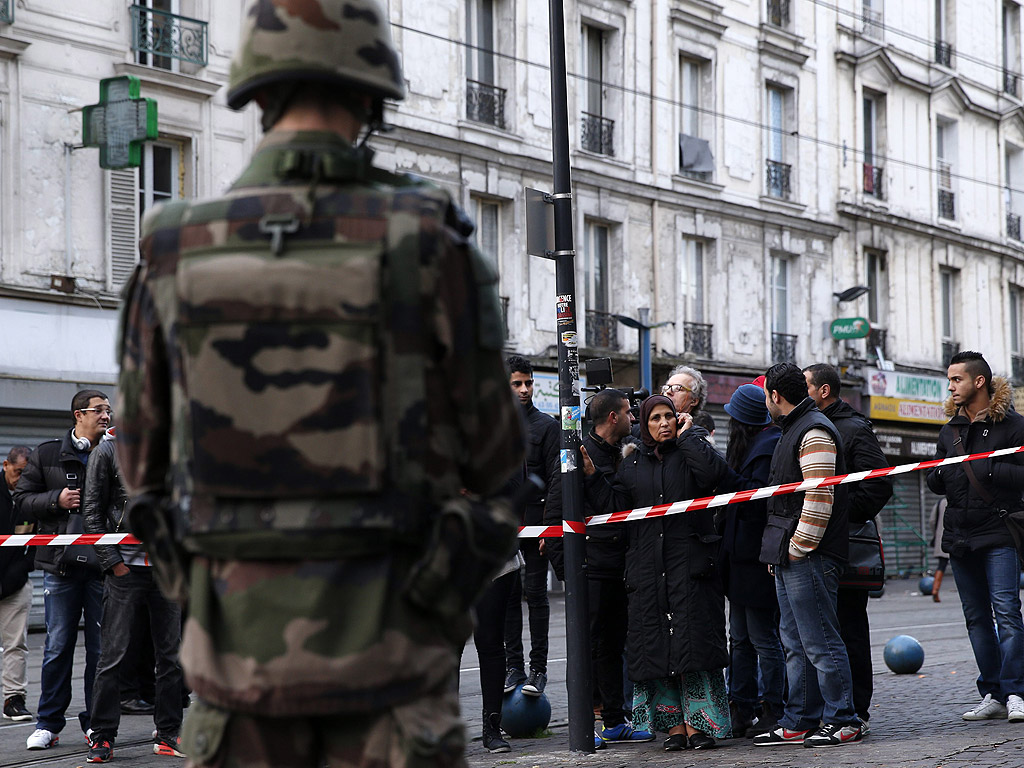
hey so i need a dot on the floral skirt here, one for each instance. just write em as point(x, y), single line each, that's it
point(698, 699)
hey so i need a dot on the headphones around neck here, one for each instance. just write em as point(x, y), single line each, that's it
point(80, 443)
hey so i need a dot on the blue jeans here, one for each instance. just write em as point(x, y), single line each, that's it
point(65, 598)
point(753, 638)
point(988, 585)
point(820, 686)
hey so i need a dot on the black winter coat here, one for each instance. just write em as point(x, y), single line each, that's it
point(42, 480)
point(972, 524)
point(747, 580)
point(15, 562)
point(676, 602)
point(543, 443)
point(864, 500)
point(104, 501)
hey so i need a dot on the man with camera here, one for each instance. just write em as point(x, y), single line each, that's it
point(50, 490)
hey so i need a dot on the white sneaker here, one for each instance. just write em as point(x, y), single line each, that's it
point(988, 709)
point(1015, 709)
point(41, 739)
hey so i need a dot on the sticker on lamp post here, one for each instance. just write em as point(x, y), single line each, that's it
point(120, 123)
point(845, 328)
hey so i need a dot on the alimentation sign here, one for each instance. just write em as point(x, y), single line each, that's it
point(900, 396)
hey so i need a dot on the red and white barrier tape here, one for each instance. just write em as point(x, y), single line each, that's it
point(625, 516)
point(737, 497)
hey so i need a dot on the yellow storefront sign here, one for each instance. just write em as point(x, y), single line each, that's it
point(898, 409)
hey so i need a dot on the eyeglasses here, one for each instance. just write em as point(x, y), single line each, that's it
point(108, 411)
point(670, 388)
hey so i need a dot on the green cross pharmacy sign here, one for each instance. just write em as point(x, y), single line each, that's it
point(850, 328)
point(120, 123)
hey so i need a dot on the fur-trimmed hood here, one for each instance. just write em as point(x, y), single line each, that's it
point(630, 444)
point(1000, 404)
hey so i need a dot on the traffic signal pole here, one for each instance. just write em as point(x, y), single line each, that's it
point(577, 629)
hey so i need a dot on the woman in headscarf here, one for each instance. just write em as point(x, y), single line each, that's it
point(675, 643)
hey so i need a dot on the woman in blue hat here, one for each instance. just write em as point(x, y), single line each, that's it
point(753, 606)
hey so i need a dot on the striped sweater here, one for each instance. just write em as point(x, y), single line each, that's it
point(817, 456)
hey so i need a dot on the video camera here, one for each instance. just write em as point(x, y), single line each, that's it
point(599, 377)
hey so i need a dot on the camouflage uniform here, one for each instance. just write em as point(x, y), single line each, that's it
point(310, 374)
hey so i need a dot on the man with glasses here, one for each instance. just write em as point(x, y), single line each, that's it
point(15, 590)
point(686, 388)
point(50, 490)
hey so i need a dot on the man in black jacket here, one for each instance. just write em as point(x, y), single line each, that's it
point(15, 590)
point(981, 550)
point(50, 490)
point(542, 461)
point(806, 541)
point(864, 500)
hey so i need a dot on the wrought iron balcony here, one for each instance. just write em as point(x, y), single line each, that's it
point(777, 179)
point(874, 181)
point(947, 204)
point(6, 11)
point(697, 339)
point(504, 315)
point(1017, 368)
point(949, 348)
point(783, 348)
point(876, 340)
point(602, 330)
point(943, 53)
point(485, 103)
point(597, 134)
point(778, 13)
point(1011, 83)
point(166, 36)
point(1013, 226)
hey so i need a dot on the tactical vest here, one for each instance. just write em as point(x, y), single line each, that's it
point(302, 323)
point(785, 468)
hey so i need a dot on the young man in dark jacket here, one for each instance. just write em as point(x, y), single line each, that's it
point(15, 590)
point(542, 460)
point(806, 541)
point(50, 490)
point(864, 500)
point(981, 550)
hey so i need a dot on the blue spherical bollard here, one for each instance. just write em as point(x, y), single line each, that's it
point(903, 655)
point(523, 716)
point(925, 584)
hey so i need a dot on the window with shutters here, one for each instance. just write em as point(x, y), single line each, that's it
point(164, 175)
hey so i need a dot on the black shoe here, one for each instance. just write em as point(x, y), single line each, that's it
point(100, 751)
point(14, 708)
point(534, 685)
point(767, 721)
point(676, 742)
point(492, 740)
point(742, 718)
point(513, 679)
point(702, 741)
point(137, 707)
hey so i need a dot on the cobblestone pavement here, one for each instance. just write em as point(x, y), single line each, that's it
point(915, 720)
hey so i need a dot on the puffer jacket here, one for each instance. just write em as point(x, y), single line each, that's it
point(104, 503)
point(970, 523)
point(676, 602)
point(41, 483)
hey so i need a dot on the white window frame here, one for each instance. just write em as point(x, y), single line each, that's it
point(596, 264)
point(487, 214)
point(1016, 324)
point(593, 84)
point(692, 286)
point(877, 269)
point(481, 62)
point(780, 288)
point(149, 59)
point(947, 303)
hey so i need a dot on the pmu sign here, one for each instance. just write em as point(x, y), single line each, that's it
point(850, 328)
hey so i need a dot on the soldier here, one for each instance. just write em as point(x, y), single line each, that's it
point(311, 373)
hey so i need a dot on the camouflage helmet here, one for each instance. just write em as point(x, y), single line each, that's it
point(343, 42)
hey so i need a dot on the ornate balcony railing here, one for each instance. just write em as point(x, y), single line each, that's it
point(783, 348)
point(877, 340)
point(874, 181)
point(697, 339)
point(1013, 226)
point(949, 348)
point(777, 179)
point(597, 134)
point(778, 13)
point(167, 36)
point(947, 204)
point(504, 314)
point(6, 11)
point(943, 53)
point(602, 330)
point(1011, 83)
point(1017, 368)
point(485, 103)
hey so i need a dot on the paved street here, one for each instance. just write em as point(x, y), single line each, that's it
point(915, 722)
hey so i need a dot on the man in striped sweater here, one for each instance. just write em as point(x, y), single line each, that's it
point(806, 543)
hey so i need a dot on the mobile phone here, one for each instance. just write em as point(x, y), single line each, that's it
point(72, 480)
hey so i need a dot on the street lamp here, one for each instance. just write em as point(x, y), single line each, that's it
point(644, 331)
point(851, 293)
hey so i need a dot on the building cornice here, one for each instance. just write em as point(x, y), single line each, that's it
point(10, 48)
point(184, 85)
point(91, 300)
